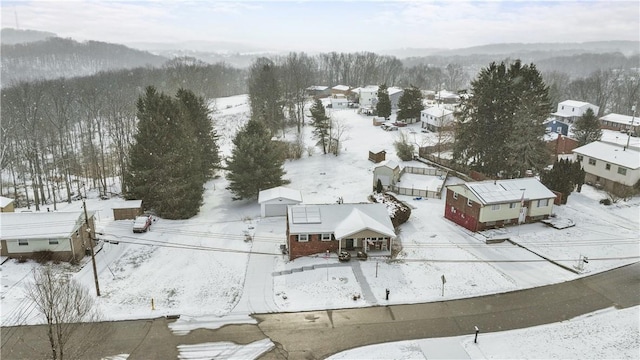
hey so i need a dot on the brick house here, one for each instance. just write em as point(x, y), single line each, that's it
point(64, 233)
point(620, 122)
point(477, 206)
point(315, 229)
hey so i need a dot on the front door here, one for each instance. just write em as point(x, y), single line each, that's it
point(348, 243)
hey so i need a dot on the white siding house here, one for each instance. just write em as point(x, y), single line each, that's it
point(570, 110)
point(614, 167)
point(436, 118)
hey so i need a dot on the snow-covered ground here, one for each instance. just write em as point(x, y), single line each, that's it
point(205, 270)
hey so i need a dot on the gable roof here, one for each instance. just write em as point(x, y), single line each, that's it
point(4, 201)
point(279, 192)
point(437, 111)
point(622, 119)
point(340, 88)
point(340, 219)
point(574, 103)
point(611, 153)
point(39, 225)
point(388, 163)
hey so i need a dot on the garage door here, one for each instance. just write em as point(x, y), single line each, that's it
point(275, 210)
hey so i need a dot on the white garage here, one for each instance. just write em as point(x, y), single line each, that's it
point(274, 201)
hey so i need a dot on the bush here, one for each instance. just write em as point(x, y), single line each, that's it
point(43, 256)
point(605, 202)
point(400, 212)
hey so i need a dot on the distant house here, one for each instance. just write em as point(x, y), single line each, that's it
point(570, 110)
point(377, 155)
point(6, 204)
point(368, 97)
point(274, 201)
point(610, 166)
point(436, 118)
point(556, 126)
point(317, 229)
point(127, 210)
point(388, 172)
point(394, 96)
point(447, 97)
point(63, 233)
point(621, 123)
point(560, 145)
point(339, 102)
point(340, 90)
point(487, 204)
point(318, 91)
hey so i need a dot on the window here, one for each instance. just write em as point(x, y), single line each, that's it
point(303, 237)
point(513, 205)
point(455, 195)
point(495, 207)
point(53, 241)
point(622, 171)
point(607, 167)
point(469, 202)
point(326, 237)
point(543, 202)
point(23, 242)
point(579, 158)
point(592, 161)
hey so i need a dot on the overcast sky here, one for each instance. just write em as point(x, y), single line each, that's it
point(330, 25)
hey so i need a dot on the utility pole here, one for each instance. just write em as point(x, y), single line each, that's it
point(93, 255)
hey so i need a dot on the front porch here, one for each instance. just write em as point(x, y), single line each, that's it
point(371, 246)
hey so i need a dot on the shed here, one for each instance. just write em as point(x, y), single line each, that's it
point(274, 201)
point(377, 155)
point(128, 209)
point(6, 204)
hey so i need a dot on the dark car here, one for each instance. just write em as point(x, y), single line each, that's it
point(142, 223)
point(344, 256)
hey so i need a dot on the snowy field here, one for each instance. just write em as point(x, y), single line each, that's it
point(204, 270)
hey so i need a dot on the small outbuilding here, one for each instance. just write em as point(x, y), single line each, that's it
point(274, 201)
point(388, 172)
point(377, 155)
point(127, 210)
point(6, 204)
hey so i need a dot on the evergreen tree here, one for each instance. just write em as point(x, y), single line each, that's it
point(561, 178)
point(321, 125)
point(255, 163)
point(500, 126)
point(587, 128)
point(383, 106)
point(265, 94)
point(168, 164)
point(410, 104)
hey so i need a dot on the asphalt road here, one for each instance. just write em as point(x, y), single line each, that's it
point(318, 334)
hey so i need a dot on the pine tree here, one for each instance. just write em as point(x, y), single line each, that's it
point(168, 162)
point(410, 104)
point(562, 178)
point(321, 125)
point(265, 94)
point(587, 128)
point(255, 163)
point(500, 126)
point(383, 106)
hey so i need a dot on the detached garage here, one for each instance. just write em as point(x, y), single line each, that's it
point(128, 209)
point(274, 201)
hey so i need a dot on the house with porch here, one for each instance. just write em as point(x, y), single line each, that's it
point(613, 167)
point(482, 205)
point(316, 229)
point(66, 234)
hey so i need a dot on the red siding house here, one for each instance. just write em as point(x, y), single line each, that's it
point(316, 229)
point(488, 204)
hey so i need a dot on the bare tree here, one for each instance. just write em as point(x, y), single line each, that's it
point(337, 134)
point(64, 303)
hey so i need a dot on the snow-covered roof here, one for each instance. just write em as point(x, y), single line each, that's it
point(279, 192)
point(611, 153)
point(128, 204)
point(394, 90)
point(340, 88)
point(510, 190)
point(377, 150)
point(437, 111)
point(340, 219)
point(444, 94)
point(4, 201)
point(317, 87)
point(388, 163)
point(39, 224)
point(621, 119)
point(574, 103)
point(369, 88)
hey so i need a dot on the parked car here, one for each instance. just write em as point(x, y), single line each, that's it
point(344, 256)
point(142, 223)
point(389, 127)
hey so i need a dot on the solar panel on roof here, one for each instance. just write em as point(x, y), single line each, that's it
point(306, 215)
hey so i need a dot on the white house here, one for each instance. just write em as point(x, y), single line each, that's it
point(339, 102)
point(64, 233)
point(368, 97)
point(436, 118)
point(274, 201)
point(394, 96)
point(570, 110)
point(614, 167)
